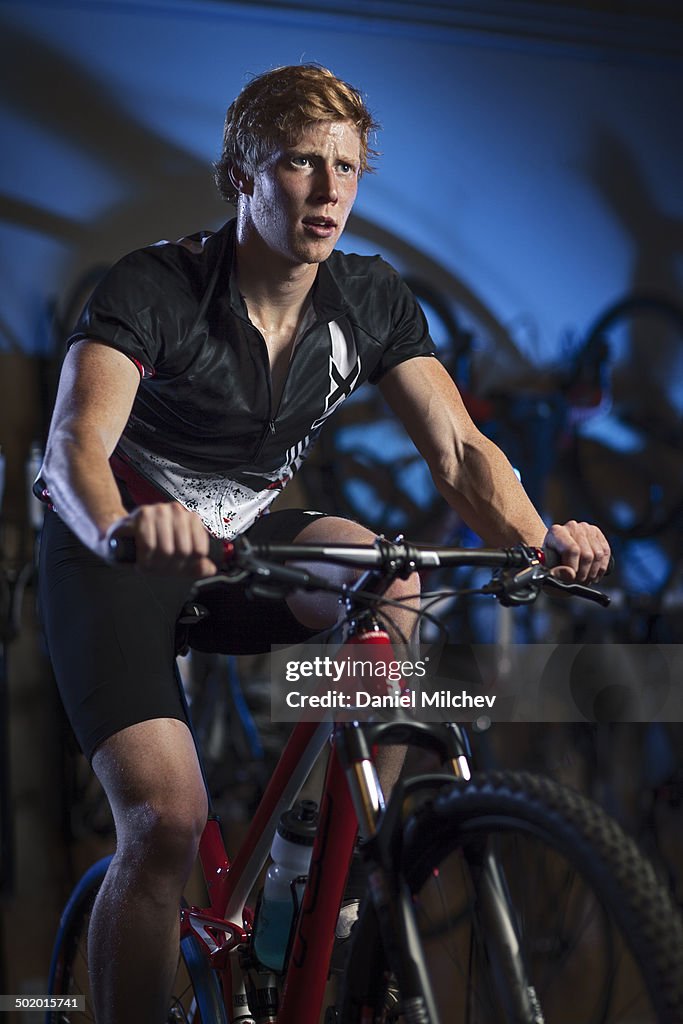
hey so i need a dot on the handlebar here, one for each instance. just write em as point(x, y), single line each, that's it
point(522, 570)
point(395, 557)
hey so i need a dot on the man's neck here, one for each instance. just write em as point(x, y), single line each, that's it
point(274, 289)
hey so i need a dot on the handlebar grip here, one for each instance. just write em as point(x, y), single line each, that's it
point(552, 559)
point(122, 550)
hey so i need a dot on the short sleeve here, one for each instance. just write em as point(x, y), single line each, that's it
point(127, 311)
point(409, 333)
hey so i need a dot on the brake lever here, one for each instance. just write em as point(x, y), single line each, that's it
point(519, 587)
point(578, 590)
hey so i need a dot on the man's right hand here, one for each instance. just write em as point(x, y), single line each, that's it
point(168, 539)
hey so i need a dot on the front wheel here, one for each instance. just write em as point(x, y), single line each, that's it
point(196, 997)
point(600, 939)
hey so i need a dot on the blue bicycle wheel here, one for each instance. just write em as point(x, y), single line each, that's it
point(196, 997)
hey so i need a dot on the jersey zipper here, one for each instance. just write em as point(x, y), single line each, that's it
point(270, 427)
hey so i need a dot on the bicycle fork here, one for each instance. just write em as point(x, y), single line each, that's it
point(380, 829)
point(517, 994)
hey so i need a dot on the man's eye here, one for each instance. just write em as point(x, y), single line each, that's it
point(300, 161)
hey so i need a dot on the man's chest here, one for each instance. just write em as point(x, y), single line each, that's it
point(237, 382)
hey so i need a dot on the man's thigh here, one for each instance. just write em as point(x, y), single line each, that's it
point(150, 772)
point(111, 638)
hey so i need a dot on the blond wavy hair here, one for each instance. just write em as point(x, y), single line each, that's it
point(275, 107)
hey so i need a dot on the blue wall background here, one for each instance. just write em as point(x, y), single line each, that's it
point(531, 165)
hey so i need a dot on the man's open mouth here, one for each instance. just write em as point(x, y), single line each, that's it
point(320, 222)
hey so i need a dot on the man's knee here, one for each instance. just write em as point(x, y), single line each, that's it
point(404, 590)
point(162, 834)
point(320, 611)
point(154, 784)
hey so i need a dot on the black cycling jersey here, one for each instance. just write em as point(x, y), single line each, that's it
point(203, 429)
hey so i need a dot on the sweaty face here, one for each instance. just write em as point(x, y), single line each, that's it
point(303, 194)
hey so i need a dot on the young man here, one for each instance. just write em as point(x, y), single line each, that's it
point(197, 378)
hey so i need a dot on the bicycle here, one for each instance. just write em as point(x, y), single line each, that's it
point(453, 928)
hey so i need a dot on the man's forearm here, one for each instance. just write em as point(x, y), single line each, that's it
point(481, 485)
point(82, 487)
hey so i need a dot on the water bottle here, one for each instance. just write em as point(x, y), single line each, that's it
point(291, 857)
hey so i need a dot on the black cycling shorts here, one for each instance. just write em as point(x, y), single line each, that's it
point(112, 632)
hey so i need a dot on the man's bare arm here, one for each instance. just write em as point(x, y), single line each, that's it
point(473, 474)
point(96, 391)
point(97, 387)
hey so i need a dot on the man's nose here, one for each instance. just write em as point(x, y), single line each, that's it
point(326, 184)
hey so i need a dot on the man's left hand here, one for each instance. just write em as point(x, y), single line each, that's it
point(582, 550)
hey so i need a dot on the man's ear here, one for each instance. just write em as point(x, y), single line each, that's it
point(241, 181)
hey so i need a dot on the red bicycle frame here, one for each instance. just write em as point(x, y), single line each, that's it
point(227, 922)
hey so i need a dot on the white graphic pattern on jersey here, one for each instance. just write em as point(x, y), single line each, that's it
point(225, 506)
